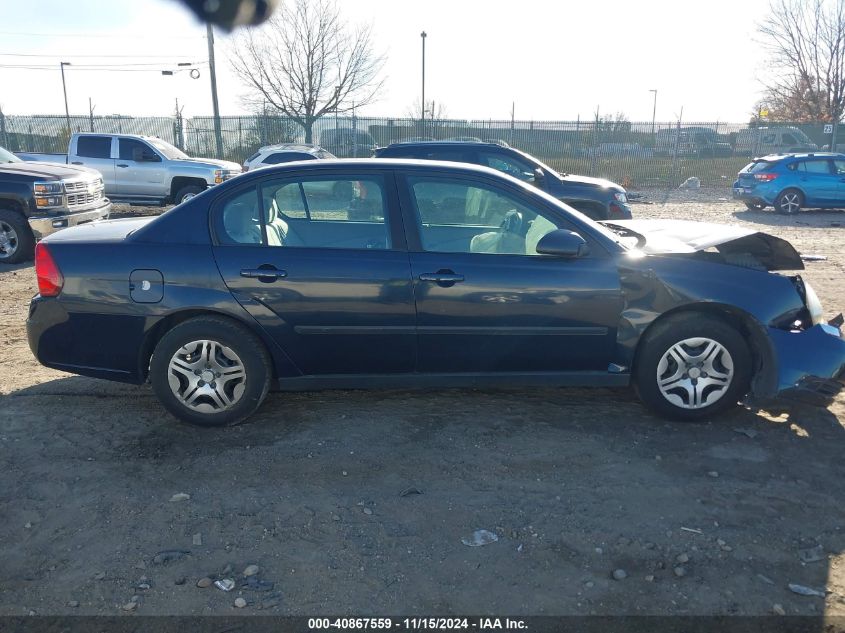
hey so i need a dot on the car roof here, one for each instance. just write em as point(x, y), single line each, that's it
point(292, 147)
point(447, 143)
point(776, 157)
point(384, 163)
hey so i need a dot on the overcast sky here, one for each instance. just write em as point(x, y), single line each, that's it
point(556, 60)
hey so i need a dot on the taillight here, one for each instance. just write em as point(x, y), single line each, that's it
point(765, 177)
point(616, 210)
point(50, 279)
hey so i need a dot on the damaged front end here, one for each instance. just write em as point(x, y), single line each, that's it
point(797, 355)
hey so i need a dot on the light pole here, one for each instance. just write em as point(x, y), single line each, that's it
point(423, 35)
point(653, 112)
point(64, 89)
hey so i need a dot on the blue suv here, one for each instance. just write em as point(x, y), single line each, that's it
point(790, 182)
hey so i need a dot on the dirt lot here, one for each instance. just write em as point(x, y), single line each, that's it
point(575, 483)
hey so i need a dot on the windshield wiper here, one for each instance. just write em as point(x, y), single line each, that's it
point(624, 231)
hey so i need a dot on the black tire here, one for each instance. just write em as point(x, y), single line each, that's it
point(789, 202)
point(755, 206)
point(17, 244)
point(245, 394)
point(186, 193)
point(680, 403)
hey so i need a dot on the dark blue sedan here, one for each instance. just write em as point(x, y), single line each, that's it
point(387, 273)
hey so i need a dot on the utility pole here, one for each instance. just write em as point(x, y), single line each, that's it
point(336, 106)
point(64, 89)
point(423, 35)
point(513, 117)
point(653, 112)
point(90, 115)
point(218, 134)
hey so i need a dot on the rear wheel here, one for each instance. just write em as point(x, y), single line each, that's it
point(17, 243)
point(210, 371)
point(789, 202)
point(692, 366)
point(755, 206)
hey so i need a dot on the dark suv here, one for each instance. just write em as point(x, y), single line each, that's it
point(595, 197)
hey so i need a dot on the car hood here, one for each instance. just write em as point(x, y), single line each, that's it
point(47, 171)
point(212, 163)
point(572, 179)
point(665, 237)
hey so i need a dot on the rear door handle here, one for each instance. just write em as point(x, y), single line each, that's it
point(264, 274)
point(122, 165)
point(442, 277)
point(76, 162)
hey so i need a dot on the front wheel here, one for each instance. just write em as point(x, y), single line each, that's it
point(692, 366)
point(755, 206)
point(17, 243)
point(789, 202)
point(210, 371)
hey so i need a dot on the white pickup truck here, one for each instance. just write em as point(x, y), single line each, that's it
point(141, 169)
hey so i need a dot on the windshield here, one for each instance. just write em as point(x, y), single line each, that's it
point(170, 152)
point(7, 157)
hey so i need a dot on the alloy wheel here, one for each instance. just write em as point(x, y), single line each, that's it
point(790, 202)
point(8, 240)
point(695, 373)
point(206, 376)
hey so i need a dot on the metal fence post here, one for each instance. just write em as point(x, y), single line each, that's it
point(3, 134)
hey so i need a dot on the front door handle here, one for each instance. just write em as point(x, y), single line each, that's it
point(76, 162)
point(122, 165)
point(267, 275)
point(442, 277)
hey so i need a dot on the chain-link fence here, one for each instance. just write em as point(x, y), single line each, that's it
point(635, 154)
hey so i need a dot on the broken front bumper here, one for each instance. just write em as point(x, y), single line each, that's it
point(811, 363)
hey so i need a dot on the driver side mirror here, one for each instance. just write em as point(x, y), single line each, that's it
point(539, 176)
point(563, 243)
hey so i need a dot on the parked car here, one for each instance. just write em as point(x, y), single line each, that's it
point(595, 197)
point(285, 153)
point(348, 143)
point(461, 276)
point(142, 169)
point(37, 199)
point(759, 141)
point(790, 182)
point(691, 141)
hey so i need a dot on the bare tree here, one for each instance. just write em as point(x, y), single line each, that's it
point(434, 110)
point(806, 43)
point(307, 62)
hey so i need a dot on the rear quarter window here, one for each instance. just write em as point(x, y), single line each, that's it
point(94, 146)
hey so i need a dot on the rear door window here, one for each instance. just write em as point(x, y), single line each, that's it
point(814, 166)
point(93, 146)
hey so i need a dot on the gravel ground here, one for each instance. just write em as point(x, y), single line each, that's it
point(357, 502)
